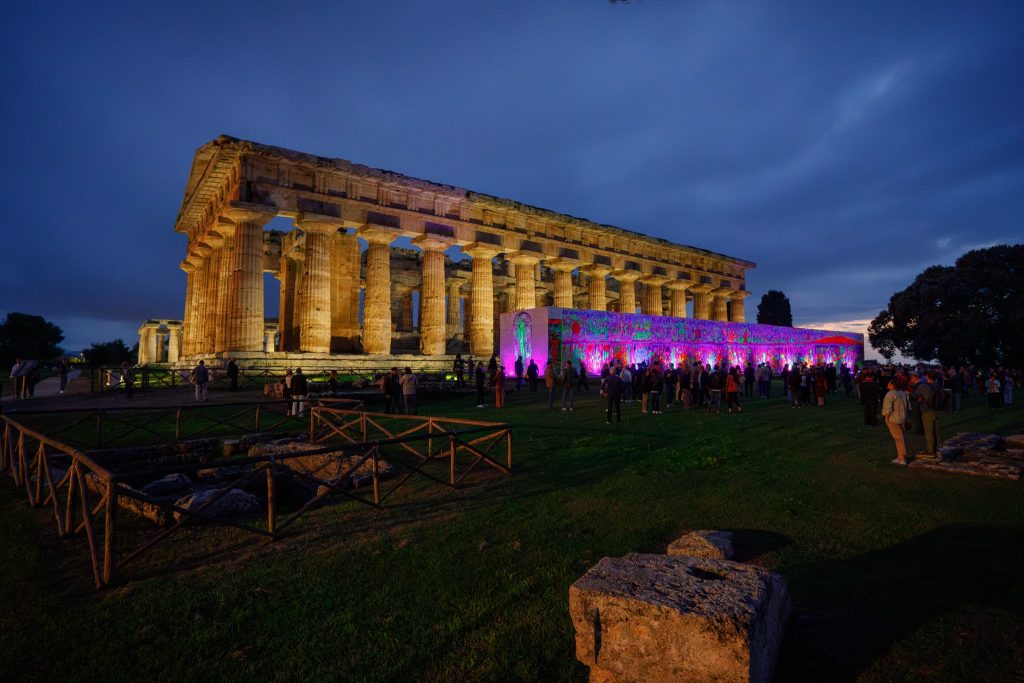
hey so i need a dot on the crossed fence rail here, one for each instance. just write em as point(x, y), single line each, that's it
point(88, 496)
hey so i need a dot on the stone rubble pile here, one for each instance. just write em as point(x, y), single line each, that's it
point(982, 455)
point(675, 617)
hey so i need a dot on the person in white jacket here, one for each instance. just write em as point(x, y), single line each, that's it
point(895, 408)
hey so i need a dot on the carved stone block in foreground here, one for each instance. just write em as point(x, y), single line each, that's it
point(665, 618)
point(715, 545)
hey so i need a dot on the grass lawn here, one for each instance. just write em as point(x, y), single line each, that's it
point(895, 574)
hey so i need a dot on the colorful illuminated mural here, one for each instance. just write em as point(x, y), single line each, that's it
point(595, 337)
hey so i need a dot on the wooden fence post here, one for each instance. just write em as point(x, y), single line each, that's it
point(259, 410)
point(271, 499)
point(109, 540)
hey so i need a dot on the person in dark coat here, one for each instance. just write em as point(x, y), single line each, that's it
point(233, 375)
point(459, 368)
point(480, 378)
point(519, 370)
point(613, 390)
point(299, 391)
point(793, 378)
point(748, 380)
point(869, 398)
point(582, 385)
point(492, 370)
point(531, 375)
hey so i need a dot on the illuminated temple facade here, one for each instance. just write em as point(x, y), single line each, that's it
point(596, 337)
point(373, 264)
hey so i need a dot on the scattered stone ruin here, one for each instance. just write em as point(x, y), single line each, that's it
point(981, 455)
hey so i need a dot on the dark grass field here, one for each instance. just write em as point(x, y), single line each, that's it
point(895, 574)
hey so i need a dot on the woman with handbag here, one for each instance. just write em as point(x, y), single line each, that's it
point(895, 408)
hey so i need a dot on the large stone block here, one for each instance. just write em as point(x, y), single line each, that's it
point(715, 545)
point(665, 618)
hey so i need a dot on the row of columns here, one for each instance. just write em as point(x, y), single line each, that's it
point(224, 289)
point(159, 346)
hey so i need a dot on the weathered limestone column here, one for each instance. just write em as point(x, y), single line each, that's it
point(432, 291)
point(563, 280)
point(701, 301)
point(597, 294)
point(144, 335)
point(244, 331)
point(677, 293)
point(173, 342)
point(405, 310)
point(526, 281)
point(344, 250)
point(154, 346)
point(377, 301)
point(627, 289)
point(186, 342)
point(482, 322)
point(286, 274)
point(315, 326)
point(300, 266)
point(736, 313)
point(268, 339)
point(453, 320)
point(224, 247)
point(652, 295)
point(720, 311)
point(203, 300)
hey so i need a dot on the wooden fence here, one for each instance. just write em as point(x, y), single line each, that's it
point(87, 497)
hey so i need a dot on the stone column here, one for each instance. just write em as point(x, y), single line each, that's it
point(244, 331)
point(627, 289)
point(405, 310)
point(202, 300)
point(286, 274)
point(677, 293)
point(720, 311)
point(300, 266)
point(453, 319)
point(144, 334)
point(653, 304)
point(224, 247)
point(736, 313)
point(377, 301)
point(344, 293)
point(432, 291)
point(315, 326)
point(525, 265)
point(597, 297)
point(701, 301)
point(563, 268)
point(173, 343)
point(268, 339)
point(186, 342)
point(482, 322)
point(158, 347)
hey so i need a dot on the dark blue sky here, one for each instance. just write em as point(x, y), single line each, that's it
point(842, 148)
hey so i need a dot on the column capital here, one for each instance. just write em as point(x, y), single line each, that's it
point(524, 258)
point(678, 285)
point(721, 291)
point(481, 250)
point(432, 242)
point(739, 294)
point(315, 222)
point(377, 234)
point(596, 269)
point(655, 280)
point(187, 265)
point(202, 250)
point(214, 239)
point(700, 288)
point(626, 275)
point(238, 212)
point(562, 264)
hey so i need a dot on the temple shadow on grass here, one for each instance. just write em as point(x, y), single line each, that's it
point(849, 613)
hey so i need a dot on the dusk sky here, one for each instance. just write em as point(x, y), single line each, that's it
point(842, 148)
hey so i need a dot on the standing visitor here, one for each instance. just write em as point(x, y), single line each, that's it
point(568, 383)
point(846, 377)
point(128, 379)
point(869, 398)
point(582, 385)
point(626, 377)
point(391, 389)
point(993, 391)
point(895, 407)
point(716, 385)
point(670, 379)
point(519, 374)
point(531, 375)
point(201, 378)
point(613, 390)
point(408, 383)
point(655, 382)
point(793, 386)
point(332, 383)
point(1008, 388)
point(929, 398)
point(499, 386)
point(459, 367)
point(748, 380)
point(299, 390)
point(63, 375)
point(492, 369)
point(286, 389)
point(954, 385)
point(820, 387)
point(732, 390)
point(233, 374)
point(480, 378)
point(549, 383)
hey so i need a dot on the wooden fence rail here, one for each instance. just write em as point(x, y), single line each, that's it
point(86, 497)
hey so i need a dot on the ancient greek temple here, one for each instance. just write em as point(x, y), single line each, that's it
point(346, 288)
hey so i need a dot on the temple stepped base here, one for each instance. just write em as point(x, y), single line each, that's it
point(311, 362)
